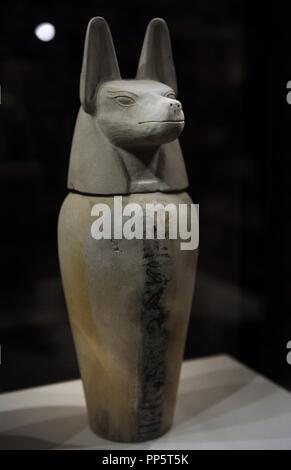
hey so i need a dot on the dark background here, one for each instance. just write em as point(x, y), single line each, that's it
point(233, 63)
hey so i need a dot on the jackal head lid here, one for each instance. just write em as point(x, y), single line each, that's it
point(126, 135)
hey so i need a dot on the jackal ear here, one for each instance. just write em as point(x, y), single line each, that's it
point(99, 62)
point(156, 59)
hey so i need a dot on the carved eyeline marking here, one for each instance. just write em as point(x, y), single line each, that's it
point(154, 340)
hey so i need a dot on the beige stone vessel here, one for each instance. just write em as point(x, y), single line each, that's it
point(128, 300)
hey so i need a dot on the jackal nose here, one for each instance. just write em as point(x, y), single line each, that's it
point(175, 109)
point(176, 106)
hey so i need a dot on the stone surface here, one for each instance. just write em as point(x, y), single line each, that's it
point(129, 303)
point(128, 300)
point(126, 132)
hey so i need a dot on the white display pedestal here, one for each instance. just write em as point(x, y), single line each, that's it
point(221, 405)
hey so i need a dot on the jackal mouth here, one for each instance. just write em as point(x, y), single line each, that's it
point(173, 121)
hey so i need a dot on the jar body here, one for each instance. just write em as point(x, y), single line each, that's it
point(129, 303)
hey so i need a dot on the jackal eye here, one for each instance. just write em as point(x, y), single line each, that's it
point(124, 100)
point(171, 95)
